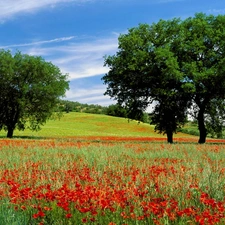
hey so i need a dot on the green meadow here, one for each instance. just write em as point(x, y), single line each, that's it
point(86, 124)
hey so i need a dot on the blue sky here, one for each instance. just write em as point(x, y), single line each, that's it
point(76, 34)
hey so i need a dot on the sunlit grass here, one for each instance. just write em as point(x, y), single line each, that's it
point(85, 124)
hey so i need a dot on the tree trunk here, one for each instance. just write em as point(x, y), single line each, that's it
point(169, 137)
point(10, 132)
point(13, 116)
point(201, 127)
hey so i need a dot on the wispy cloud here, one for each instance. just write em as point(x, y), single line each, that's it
point(94, 95)
point(77, 56)
point(39, 42)
point(86, 59)
point(217, 11)
point(80, 58)
point(10, 8)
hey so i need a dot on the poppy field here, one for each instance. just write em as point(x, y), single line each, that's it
point(111, 181)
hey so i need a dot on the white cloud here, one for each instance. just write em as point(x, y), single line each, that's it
point(39, 42)
point(79, 57)
point(86, 59)
point(10, 8)
point(83, 58)
point(217, 11)
point(82, 93)
point(93, 95)
point(91, 70)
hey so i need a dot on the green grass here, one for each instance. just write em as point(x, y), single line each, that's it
point(190, 128)
point(85, 124)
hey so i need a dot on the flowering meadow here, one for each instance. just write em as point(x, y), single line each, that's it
point(111, 181)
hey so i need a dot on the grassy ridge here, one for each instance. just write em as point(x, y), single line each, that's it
point(85, 124)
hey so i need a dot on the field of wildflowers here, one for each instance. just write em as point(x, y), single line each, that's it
point(111, 181)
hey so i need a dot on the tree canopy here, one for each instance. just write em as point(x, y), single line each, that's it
point(202, 57)
point(30, 90)
point(178, 65)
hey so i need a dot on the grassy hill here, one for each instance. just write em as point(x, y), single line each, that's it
point(85, 124)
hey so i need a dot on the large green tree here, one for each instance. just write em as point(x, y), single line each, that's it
point(145, 70)
point(201, 55)
point(30, 90)
point(179, 65)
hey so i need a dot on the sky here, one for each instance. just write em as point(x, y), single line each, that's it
point(75, 35)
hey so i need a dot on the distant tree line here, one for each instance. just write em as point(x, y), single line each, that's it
point(73, 106)
point(111, 110)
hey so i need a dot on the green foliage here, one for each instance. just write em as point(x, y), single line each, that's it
point(145, 69)
point(165, 118)
point(120, 111)
point(202, 56)
point(30, 91)
point(111, 110)
point(191, 128)
point(116, 110)
point(71, 106)
point(178, 65)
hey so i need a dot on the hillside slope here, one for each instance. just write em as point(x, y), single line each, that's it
point(85, 124)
